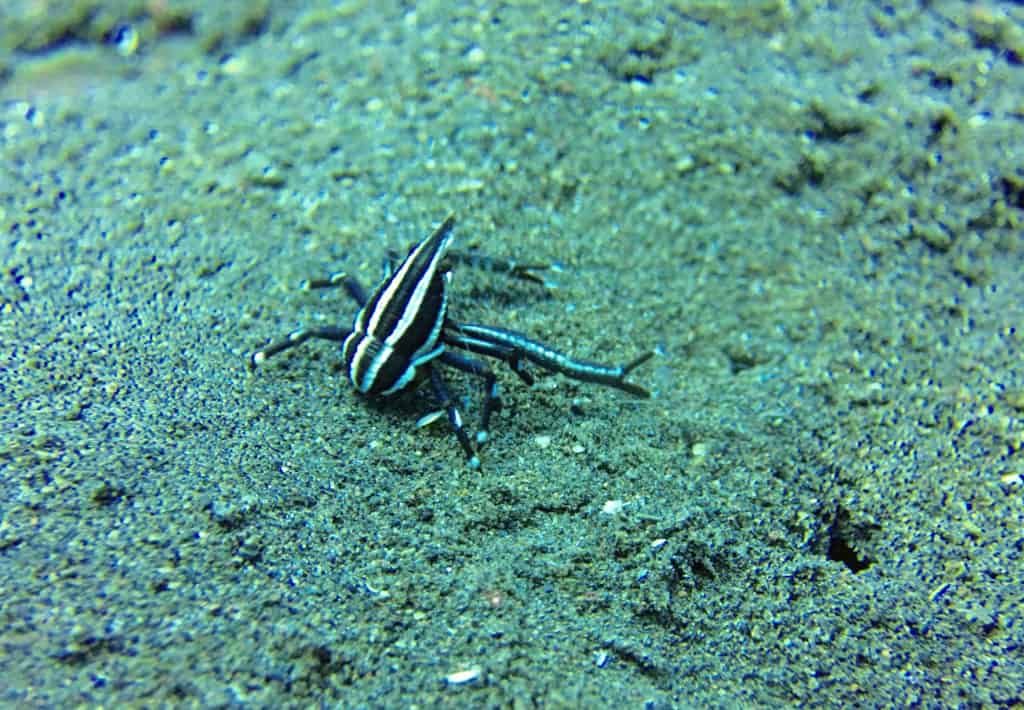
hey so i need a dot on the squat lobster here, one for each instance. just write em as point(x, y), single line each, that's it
point(403, 331)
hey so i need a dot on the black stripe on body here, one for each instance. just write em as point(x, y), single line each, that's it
point(399, 328)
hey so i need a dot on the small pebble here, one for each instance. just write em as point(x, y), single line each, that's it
point(462, 677)
point(612, 507)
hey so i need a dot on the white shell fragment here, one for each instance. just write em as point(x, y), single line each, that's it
point(612, 507)
point(428, 419)
point(462, 677)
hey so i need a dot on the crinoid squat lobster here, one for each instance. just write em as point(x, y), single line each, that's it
point(403, 333)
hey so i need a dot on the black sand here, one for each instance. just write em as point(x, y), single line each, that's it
point(814, 214)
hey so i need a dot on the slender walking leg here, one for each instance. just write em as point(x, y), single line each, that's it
point(444, 398)
point(295, 338)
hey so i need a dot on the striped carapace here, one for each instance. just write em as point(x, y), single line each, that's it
point(403, 331)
